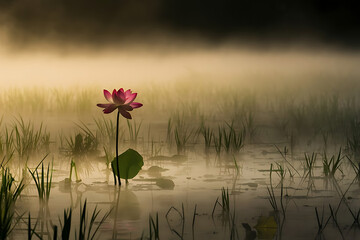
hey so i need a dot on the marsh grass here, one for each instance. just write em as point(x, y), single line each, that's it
point(355, 166)
point(7, 149)
point(169, 132)
point(42, 180)
point(106, 129)
point(133, 130)
point(154, 228)
point(9, 193)
point(353, 139)
point(193, 222)
point(87, 228)
point(218, 142)
point(181, 139)
point(272, 197)
point(284, 155)
point(27, 139)
point(155, 149)
point(250, 127)
point(310, 162)
point(208, 135)
point(225, 203)
point(80, 146)
point(66, 224)
point(332, 165)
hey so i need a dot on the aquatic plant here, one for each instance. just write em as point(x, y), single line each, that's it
point(208, 135)
point(9, 193)
point(232, 140)
point(7, 149)
point(181, 139)
point(225, 202)
point(193, 222)
point(133, 131)
point(272, 197)
point(73, 166)
point(154, 232)
point(127, 165)
point(355, 167)
point(332, 165)
point(29, 140)
point(284, 156)
point(124, 102)
point(43, 180)
point(353, 139)
point(309, 164)
point(218, 142)
point(66, 225)
point(106, 129)
point(86, 228)
point(169, 132)
point(81, 144)
point(121, 100)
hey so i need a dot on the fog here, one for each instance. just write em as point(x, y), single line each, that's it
point(143, 64)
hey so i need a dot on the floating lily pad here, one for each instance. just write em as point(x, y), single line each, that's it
point(165, 183)
point(130, 163)
point(266, 227)
point(156, 169)
point(177, 158)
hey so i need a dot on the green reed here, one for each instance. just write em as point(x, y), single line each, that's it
point(87, 228)
point(134, 130)
point(332, 165)
point(154, 232)
point(9, 193)
point(309, 164)
point(27, 139)
point(43, 180)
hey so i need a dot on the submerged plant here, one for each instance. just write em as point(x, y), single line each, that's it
point(124, 102)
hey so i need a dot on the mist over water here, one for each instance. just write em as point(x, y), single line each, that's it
point(136, 64)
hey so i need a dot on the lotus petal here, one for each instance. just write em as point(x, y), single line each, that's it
point(131, 98)
point(108, 96)
point(124, 113)
point(135, 105)
point(104, 105)
point(110, 108)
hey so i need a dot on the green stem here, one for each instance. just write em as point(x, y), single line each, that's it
point(117, 147)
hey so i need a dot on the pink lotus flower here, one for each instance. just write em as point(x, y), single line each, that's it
point(124, 101)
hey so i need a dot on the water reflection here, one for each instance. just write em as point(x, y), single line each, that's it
point(126, 214)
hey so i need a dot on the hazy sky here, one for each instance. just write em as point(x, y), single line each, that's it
point(64, 42)
point(98, 22)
